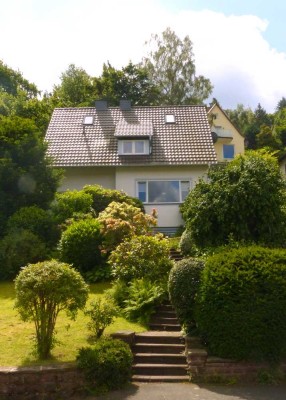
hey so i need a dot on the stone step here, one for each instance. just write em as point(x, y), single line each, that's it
point(159, 337)
point(160, 378)
point(160, 369)
point(159, 358)
point(165, 327)
point(162, 348)
point(164, 320)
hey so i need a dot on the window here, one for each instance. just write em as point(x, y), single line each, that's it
point(153, 191)
point(88, 120)
point(127, 147)
point(170, 118)
point(228, 151)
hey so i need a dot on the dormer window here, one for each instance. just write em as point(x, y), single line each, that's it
point(170, 118)
point(133, 146)
point(88, 120)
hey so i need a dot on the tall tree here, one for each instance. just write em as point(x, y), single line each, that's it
point(76, 89)
point(241, 117)
point(281, 104)
point(131, 82)
point(260, 119)
point(171, 66)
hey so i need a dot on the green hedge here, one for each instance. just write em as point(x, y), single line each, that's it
point(241, 310)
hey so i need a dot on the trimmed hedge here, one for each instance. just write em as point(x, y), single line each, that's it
point(184, 281)
point(241, 309)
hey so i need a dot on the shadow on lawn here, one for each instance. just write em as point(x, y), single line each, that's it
point(7, 290)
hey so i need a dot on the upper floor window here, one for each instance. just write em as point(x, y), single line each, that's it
point(228, 151)
point(172, 191)
point(129, 147)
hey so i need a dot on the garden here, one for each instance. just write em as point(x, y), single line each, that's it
point(91, 264)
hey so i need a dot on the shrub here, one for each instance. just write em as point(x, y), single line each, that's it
point(241, 309)
point(106, 365)
point(143, 296)
point(17, 249)
point(43, 290)
point(38, 221)
point(121, 221)
point(102, 197)
point(80, 245)
point(69, 203)
point(184, 282)
point(187, 245)
point(141, 257)
point(101, 315)
point(118, 293)
point(244, 200)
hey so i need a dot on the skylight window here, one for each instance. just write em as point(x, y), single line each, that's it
point(170, 118)
point(88, 120)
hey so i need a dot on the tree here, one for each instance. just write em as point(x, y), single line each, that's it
point(241, 117)
point(43, 290)
point(131, 82)
point(26, 176)
point(261, 118)
point(171, 68)
point(12, 81)
point(76, 89)
point(242, 201)
point(281, 104)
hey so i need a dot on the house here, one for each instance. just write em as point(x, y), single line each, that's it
point(228, 141)
point(153, 153)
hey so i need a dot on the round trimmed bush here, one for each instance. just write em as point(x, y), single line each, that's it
point(241, 308)
point(17, 249)
point(38, 221)
point(80, 245)
point(69, 203)
point(184, 281)
point(187, 245)
point(108, 364)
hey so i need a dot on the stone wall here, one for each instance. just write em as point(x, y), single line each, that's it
point(40, 383)
point(203, 367)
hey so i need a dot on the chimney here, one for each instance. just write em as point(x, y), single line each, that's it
point(125, 105)
point(101, 105)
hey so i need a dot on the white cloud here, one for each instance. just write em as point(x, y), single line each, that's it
point(230, 50)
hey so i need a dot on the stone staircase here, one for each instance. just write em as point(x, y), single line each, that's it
point(176, 255)
point(159, 354)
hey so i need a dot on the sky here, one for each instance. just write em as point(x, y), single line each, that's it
point(240, 45)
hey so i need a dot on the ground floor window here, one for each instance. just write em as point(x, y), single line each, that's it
point(164, 191)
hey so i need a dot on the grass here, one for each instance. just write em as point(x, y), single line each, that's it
point(17, 337)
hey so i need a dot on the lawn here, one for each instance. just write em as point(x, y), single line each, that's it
point(17, 337)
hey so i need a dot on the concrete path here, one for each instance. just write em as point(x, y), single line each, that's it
point(190, 391)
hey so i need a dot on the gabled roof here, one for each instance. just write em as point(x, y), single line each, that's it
point(212, 108)
point(188, 141)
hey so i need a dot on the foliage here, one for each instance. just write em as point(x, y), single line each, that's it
point(184, 282)
point(241, 308)
point(118, 293)
point(26, 176)
point(101, 314)
point(131, 82)
point(75, 90)
point(17, 249)
point(107, 364)
point(42, 291)
point(141, 257)
point(143, 296)
point(121, 221)
point(243, 200)
point(69, 203)
point(38, 221)
point(171, 67)
point(103, 197)
point(187, 245)
point(80, 245)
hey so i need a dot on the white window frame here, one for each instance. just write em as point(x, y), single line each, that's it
point(146, 182)
point(121, 142)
